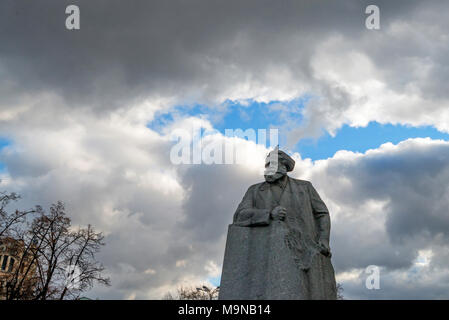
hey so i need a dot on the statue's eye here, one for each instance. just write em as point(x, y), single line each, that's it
point(267, 165)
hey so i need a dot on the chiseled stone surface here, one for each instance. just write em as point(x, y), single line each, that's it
point(278, 244)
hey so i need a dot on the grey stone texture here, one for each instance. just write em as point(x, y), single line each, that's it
point(278, 244)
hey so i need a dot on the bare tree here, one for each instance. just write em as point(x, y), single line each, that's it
point(11, 222)
point(57, 260)
point(340, 292)
point(209, 293)
point(194, 293)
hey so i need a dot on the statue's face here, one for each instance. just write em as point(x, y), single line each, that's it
point(274, 169)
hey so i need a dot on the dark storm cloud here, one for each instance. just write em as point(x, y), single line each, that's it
point(192, 49)
point(212, 51)
point(415, 181)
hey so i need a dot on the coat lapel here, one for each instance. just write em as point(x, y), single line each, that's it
point(264, 196)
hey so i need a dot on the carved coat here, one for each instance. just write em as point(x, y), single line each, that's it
point(274, 259)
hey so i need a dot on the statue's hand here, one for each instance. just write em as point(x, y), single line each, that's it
point(278, 213)
point(324, 248)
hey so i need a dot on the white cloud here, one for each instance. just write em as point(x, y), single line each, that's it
point(116, 174)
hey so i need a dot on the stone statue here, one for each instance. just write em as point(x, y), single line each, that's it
point(278, 244)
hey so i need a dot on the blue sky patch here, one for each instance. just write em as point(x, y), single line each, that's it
point(362, 139)
point(215, 281)
point(238, 115)
point(259, 115)
point(3, 143)
point(282, 115)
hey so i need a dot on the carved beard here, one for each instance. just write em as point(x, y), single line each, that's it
point(282, 171)
point(272, 178)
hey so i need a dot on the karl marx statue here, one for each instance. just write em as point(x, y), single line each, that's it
point(278, 244)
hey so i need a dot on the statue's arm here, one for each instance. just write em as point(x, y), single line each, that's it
point(321, 214)
point(248, 216)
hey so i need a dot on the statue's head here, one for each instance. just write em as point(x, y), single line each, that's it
point(277, 164)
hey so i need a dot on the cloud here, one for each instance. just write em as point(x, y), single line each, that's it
point(76, 105)
point(165, 225)
point(387, 210)
point(208, 52)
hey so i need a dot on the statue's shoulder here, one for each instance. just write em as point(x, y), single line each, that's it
point(299, 181)
point(256, 185)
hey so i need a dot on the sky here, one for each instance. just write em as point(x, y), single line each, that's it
point(89, 116)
